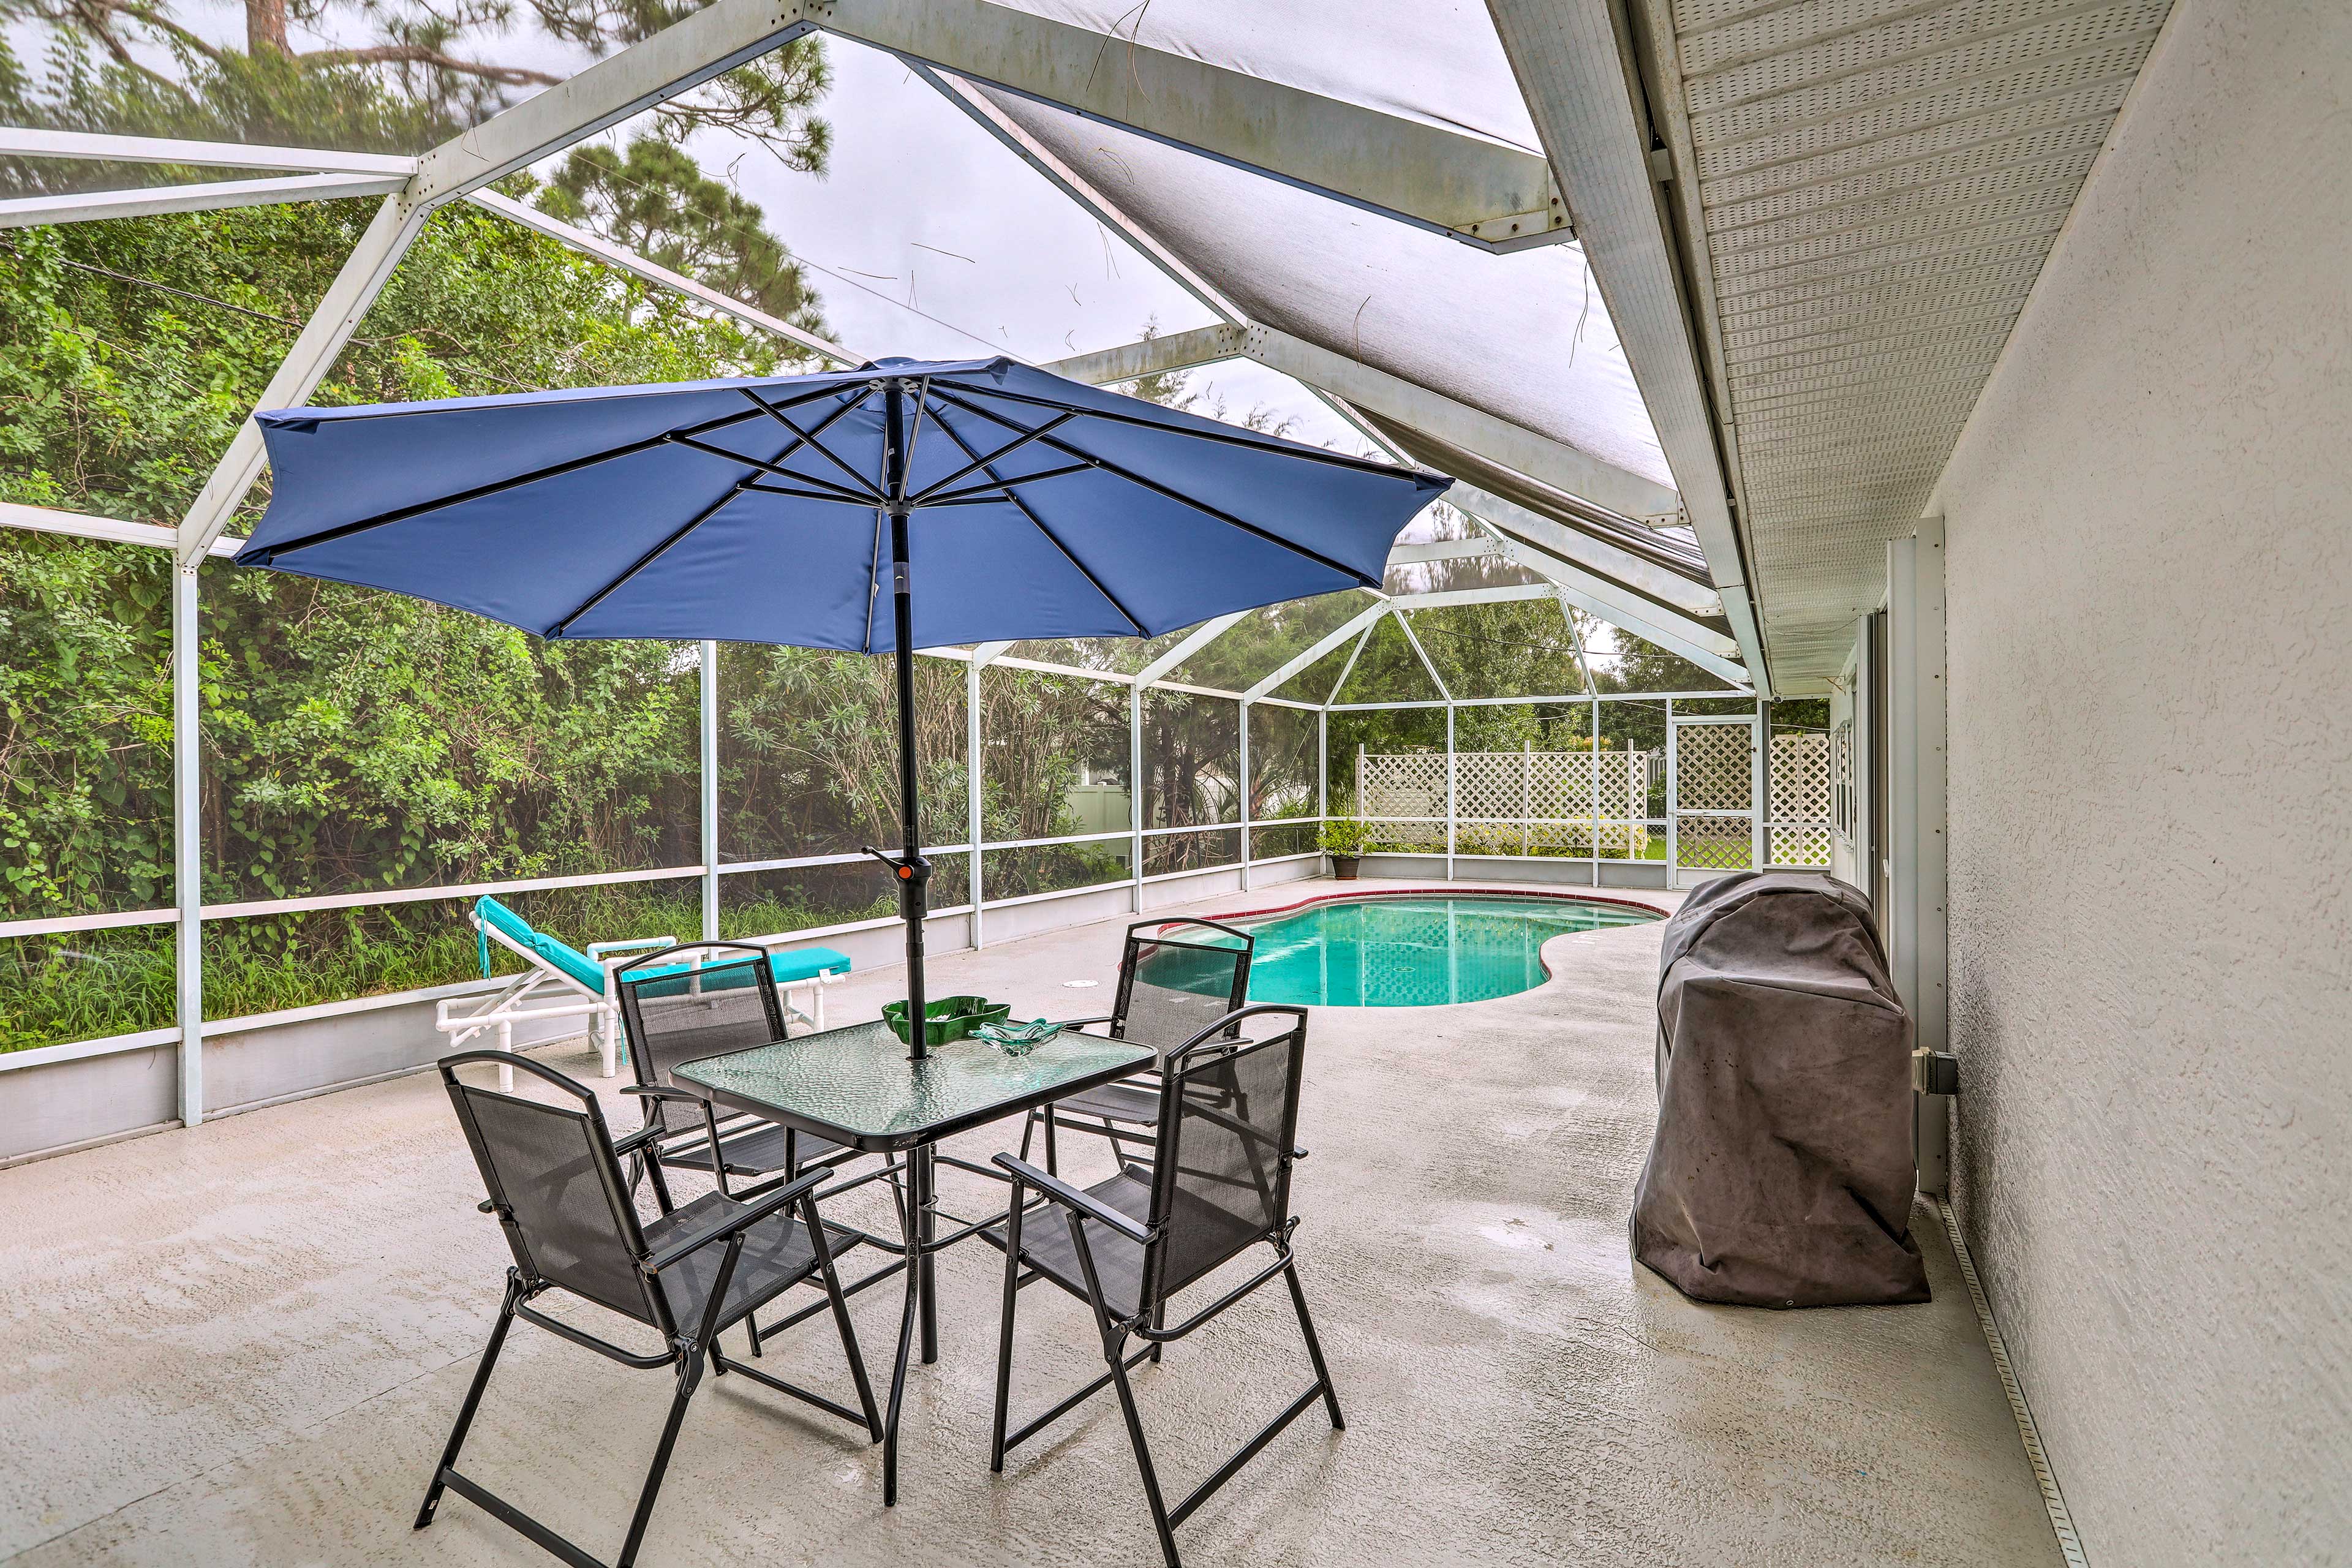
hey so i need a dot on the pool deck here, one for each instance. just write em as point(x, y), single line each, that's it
point(243, 1343)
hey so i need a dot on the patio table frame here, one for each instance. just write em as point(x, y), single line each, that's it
point(857, 1087)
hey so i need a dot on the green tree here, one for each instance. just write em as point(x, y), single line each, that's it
point(655, 200)
point(388, 74)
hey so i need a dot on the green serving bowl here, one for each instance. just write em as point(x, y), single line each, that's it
point(949, 1018)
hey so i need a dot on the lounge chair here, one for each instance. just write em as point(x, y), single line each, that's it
point(558, 981)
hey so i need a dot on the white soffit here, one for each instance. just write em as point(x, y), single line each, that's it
point(1876, 183)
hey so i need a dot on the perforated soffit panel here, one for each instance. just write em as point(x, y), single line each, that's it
point(1878, 183)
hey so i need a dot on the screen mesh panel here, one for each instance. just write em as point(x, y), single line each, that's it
point(1175, 990)
point(546, 1164)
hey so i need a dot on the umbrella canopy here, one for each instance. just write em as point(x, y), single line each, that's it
point(758, 511)
point(904, 504)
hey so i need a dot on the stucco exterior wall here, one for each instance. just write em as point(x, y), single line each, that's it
point(2150, 532)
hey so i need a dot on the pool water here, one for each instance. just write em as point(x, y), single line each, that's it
point(1411, 952)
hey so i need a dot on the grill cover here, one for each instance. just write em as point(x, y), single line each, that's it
point(1782, 1172)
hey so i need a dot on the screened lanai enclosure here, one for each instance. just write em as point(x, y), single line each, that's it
point(1897, 440)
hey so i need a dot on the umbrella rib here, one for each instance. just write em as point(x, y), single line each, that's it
point(775, 465)
point(1156, 488)
point(809, 438)
point(914, 431)
point(1233, 438)
point(860, 502)
point(650, 556)
point(1002, 488)
point(977, 464)
point(1040, 524)
point(382, 520)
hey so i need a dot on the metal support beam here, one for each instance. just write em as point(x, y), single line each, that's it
point(1427, 601)
point(1154, 356)
point(1576, 71)
point(1202, 636)
point(972, 789)
point(1916, 835)
point(1075, 186)
point(709, 790)
point(627, 261)
point(84, 525)
point(145, 201)
point(1305, 658)
point(1434, 176)
point(19, 141)
point(1539, 457)
point(1553, 463)
point(187, 842)
point(322, 338)
point(704, 44)
point(1135, 797)
point(1653, 582)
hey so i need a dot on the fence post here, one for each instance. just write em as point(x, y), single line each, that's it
point(1527, 794)
point(1135, 797)
point(1449, 792)
point(1245, 795)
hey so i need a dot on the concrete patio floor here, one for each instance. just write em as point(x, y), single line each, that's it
point(244, 1343)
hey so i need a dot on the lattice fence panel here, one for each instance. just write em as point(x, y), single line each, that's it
point(1510, 803)
point(1713, 767)
point(1714, 843)
point(1804, 798)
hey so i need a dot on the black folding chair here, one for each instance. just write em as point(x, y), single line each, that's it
point(1168, 987)
point(704, 999)
point(1228, 1115)
point(553, 1174)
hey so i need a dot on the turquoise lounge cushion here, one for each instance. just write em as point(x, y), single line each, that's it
point(562, 955)
point(788, 968)
point(806, 964)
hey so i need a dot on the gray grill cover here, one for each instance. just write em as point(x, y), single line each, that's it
point(1782, 1172)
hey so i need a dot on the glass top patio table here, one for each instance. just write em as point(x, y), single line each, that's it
point(854, 1085)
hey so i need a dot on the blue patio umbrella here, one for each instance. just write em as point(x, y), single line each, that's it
point(986, 499)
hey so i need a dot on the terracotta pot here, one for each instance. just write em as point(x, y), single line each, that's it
point(1343, 866)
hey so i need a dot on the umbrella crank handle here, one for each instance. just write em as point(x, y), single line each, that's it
point(906, 869)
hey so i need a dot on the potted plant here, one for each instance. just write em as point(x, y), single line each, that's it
point(1344, 838)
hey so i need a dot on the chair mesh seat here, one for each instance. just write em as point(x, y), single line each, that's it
point(752, 1151)
point(1118, 1262)
point(776, 1256)
point(1115, 1103)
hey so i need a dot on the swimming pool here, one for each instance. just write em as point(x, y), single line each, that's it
point(1417, 951)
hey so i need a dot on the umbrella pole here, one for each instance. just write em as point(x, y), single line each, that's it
point(914, 873)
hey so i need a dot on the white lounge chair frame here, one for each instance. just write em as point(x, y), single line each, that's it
point(544, 991)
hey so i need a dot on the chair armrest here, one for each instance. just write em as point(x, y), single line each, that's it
point(597, 950)
point(750, 1214)
point(1070, 1198)
point(1082, 1023)
point(1299, 1150)
point(653, 1127)
point(665, 1091)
